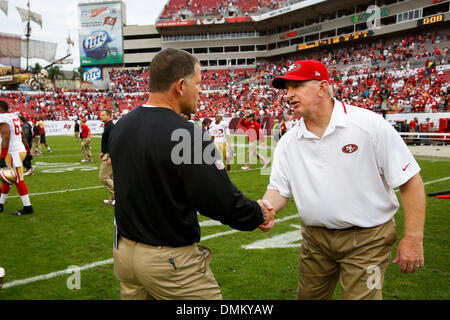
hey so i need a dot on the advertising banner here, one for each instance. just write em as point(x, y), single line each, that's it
point(66, 128)
point(101, 41)
point(92, 74)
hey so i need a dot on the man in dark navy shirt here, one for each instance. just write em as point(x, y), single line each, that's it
point(106, 174)
point(165, 171)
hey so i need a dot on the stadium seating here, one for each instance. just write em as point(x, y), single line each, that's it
point(406, 67)
point(202, 8)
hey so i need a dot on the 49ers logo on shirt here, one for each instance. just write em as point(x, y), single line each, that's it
point(349, 148)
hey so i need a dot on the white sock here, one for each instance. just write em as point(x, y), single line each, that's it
point(48, 148)
point(3, 198)
point(25, 200)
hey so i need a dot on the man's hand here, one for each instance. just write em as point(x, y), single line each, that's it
point(2, 163)
point(410, 255)
point(269, 215)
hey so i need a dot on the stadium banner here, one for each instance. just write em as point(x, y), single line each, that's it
point(92, 74)
point(66, 128)
point(290, 8)
point(100, 33)
point(434, 117)
point(204, 21)
point(443, 67)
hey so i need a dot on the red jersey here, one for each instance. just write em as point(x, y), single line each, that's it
point(253, 130)
point(85, 131)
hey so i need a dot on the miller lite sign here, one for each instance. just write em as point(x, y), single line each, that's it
point(92, 74)
point(100, 33)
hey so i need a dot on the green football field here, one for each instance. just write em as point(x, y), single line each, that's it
point(73, 227)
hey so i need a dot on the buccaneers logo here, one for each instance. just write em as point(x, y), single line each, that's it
point(349, 148)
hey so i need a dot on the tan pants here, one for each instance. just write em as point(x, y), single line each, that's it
point(36, 143)
point(358, 257)
point(164, 273)
point(253, 153)
point(222, 148)
point(106, 175)
point(86, 149)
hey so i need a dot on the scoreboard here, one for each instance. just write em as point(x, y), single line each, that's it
point(335, 40)
point(430, 20)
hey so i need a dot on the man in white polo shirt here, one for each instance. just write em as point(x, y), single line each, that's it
point(341, 164)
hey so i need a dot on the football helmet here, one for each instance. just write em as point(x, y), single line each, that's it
point(8, 175)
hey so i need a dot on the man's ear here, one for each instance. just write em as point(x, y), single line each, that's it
point(323, 88)
point(179, 84)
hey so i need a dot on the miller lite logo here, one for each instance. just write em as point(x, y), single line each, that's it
point(294, 67)
point(95, 40)
point(92, 74)
point(349, 148)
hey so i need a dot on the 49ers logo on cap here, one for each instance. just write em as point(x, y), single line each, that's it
point(349, 148)
point(294, 67)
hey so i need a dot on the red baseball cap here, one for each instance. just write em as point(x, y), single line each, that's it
point(303, 70)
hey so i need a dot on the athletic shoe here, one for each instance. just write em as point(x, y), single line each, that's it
point(24, 211)
point(266, 163)
point(49, 151)
point(30, 172)
point(1, 207)
point(2, 277)
point(109, 201)
point(245, 168)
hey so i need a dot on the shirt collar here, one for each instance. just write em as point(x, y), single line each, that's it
point(338, 119)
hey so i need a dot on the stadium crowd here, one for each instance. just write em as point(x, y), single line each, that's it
point(402, 73)
point(202, 8)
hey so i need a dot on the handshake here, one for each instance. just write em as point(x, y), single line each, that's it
point(268, 214)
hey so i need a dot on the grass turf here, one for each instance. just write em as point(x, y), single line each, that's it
point(76, 228)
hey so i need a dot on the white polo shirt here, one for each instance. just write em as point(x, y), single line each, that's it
point(347, 177)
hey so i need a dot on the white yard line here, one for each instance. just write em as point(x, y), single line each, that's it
point(109, 261)
point(56, 274)
point(59, 191)
point(98, 187)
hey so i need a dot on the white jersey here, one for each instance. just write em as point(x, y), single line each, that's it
point(15, 139)
point(219, 131)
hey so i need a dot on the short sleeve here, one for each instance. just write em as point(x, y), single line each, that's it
point(279, 177)
point(395, 160)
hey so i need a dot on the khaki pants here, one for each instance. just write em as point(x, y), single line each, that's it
point(36, 143)
point(222, 148)
point(86, 149)
point(253, 153)
point(359, 258)
point(106, 175)
point(146, 272)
